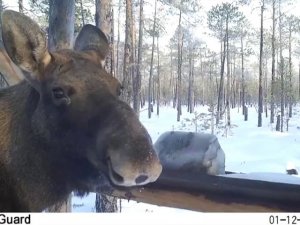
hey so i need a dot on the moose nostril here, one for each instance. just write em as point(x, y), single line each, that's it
point(141, 179)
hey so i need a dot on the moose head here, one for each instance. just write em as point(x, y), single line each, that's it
point(65, 125)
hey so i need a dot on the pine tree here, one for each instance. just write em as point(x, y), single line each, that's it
point(222, 20)
point(260, 90)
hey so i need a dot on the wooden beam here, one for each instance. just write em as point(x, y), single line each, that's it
point(207, 193)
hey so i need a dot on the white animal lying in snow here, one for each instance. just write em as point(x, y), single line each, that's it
point(190, 152)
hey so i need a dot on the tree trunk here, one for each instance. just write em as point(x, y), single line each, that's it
point(191, 84)
point(98, 13)
point(228, 94)
point(127, 84)
point(175, 93)
point(21, 6)
point(171, 82)
point(266, 87)
point(1, 10)
point(158, 79)
point(246, 113)
point(133, 58)
point(243, 75)
point(150, 85)
point(202, 78)
point(103, 20)
point(118, 75)
point(138, 80)
point(153, 90)
point(221, 86)
point(82, 14)
point(290, 91)
point(299, 81)
point(174, 82)
point(234, 85)
point(278, 123)
point(179, 84)
point(61, 24)
point(104, 203)
point(211, 97)
point(260, 91)
point(281, 70)
point(273, 65)
point(192, 109)
point(103, 16)
point(212, 119)
point(113, 47)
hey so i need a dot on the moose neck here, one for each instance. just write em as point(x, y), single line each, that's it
point(37, 177)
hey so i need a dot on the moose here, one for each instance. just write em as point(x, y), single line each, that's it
point(64, 126)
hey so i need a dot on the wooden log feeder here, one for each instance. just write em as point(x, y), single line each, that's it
point(207, 193)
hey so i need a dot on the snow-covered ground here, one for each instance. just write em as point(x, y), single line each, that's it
point(262, 153)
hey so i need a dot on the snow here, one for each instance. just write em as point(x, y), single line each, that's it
point(262, 153)
point(271, 177)
point(85, 204)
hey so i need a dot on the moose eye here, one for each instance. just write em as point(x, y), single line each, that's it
point(58, 93)
point(60, 96)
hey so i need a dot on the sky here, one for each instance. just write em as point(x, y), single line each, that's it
point(252, 12)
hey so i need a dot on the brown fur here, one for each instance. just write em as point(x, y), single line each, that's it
point(10, 71)
point(63, 128)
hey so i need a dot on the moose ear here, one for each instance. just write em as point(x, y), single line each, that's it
point(93, 41)
point(25, 44)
